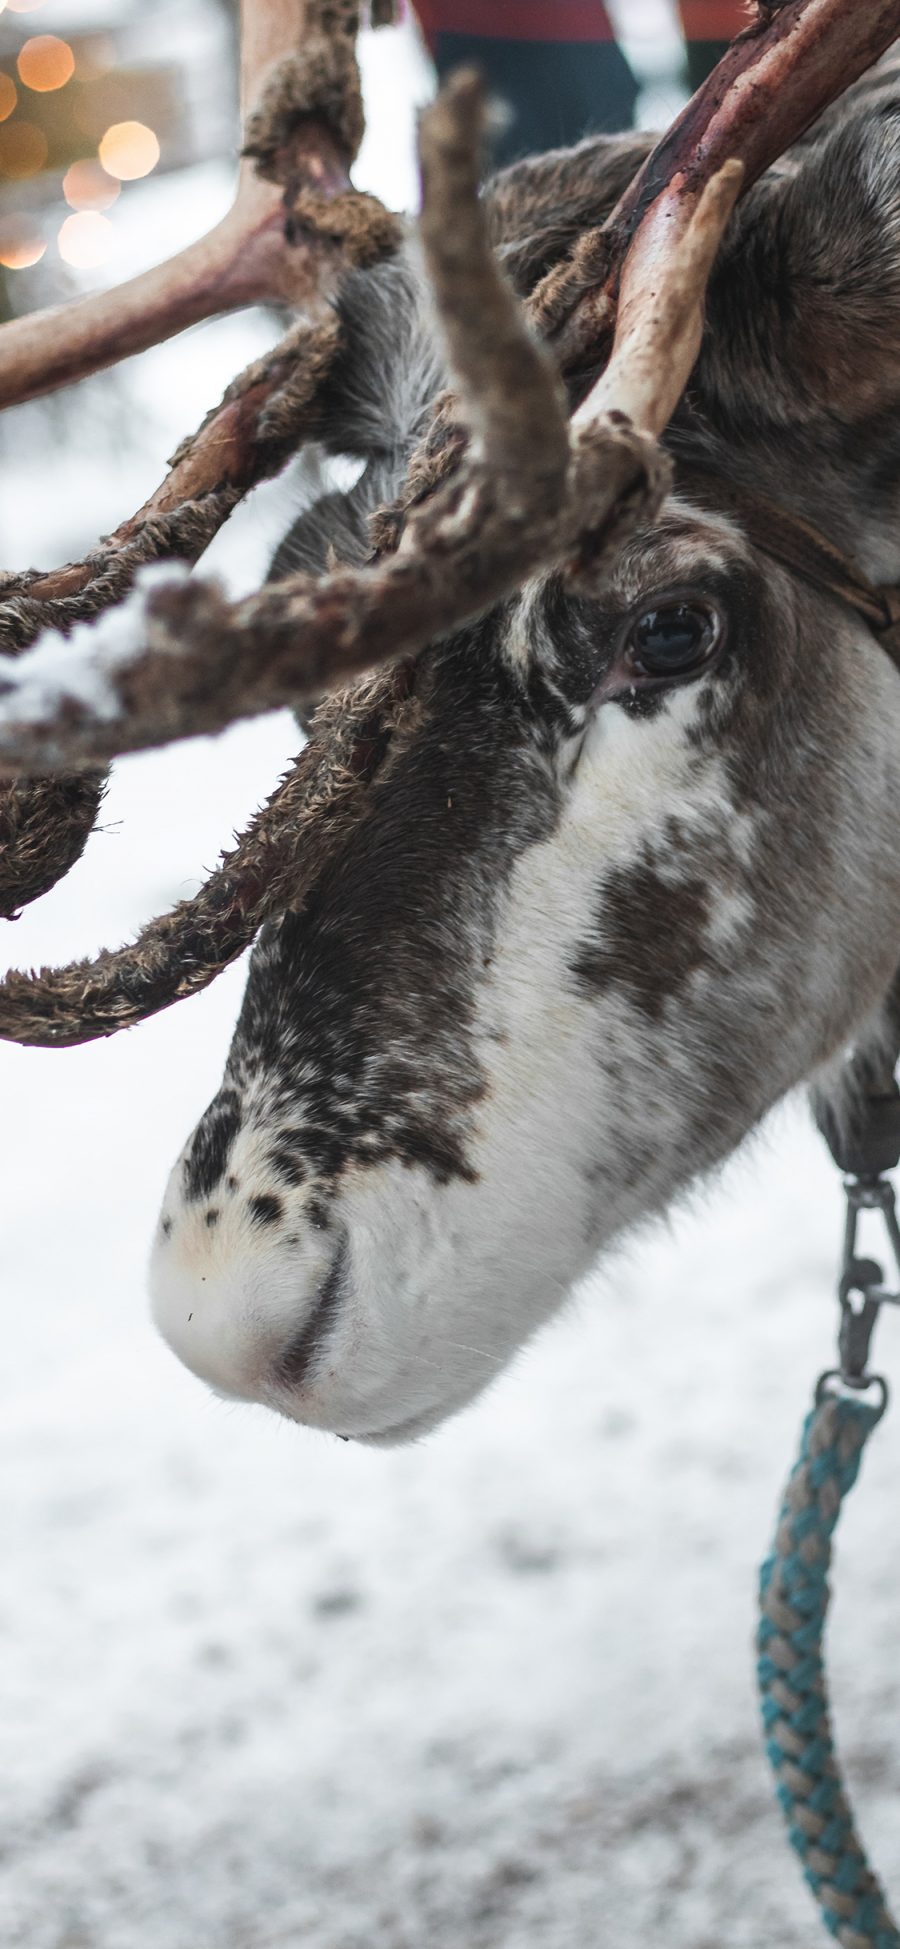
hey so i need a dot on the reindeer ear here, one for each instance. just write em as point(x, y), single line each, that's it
point(804, 310)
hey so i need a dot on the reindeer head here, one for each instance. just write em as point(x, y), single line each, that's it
point(628, 874)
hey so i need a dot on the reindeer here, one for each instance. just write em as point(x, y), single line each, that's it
point(627, 871)
point(633, 877)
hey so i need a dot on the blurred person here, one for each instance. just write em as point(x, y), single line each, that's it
point(557, 62)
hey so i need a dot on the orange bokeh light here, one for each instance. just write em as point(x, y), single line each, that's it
point(23, 149)
point(23, 6)
point(20, 244)
point(129, 150)
point(85, 240)
point(86, 186)
point(45, 63)
point(8, 95)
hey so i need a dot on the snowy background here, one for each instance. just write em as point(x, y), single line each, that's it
point(260, 1688)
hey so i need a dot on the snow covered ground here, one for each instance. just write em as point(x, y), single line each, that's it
point(494, 1691)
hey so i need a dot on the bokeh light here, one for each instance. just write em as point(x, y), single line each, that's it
point(21, 245)
point(85, 240)
point(129, 150)
point(23, 6)
point(8, 95)
point(45, 63)
point(23, 149)
point(86, 186)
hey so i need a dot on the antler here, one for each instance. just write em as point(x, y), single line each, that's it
point(772, 83)
point(242, 261)
point(265, 413)
point(324, 796)
point(529, 494)
point(264, 417)
point(287, 235)
point(178, 658)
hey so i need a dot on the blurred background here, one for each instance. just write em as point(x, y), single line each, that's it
point(110, 95)
point(257, 1687)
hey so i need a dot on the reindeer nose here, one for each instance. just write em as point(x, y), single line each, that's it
point(246, 1312)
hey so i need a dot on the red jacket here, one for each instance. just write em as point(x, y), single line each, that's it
point(713, 20)
point(517, 20)
point(567, 20)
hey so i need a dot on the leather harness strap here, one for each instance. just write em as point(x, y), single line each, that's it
point(799, 546)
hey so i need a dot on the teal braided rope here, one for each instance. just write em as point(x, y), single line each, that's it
point(794, 1602)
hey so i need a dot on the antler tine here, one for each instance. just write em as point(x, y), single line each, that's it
point(44, 826)
point(659, 320)
point(275, 862)
point(510, 392)
point(659, 327)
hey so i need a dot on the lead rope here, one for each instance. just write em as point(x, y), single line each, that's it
point(794, 1592)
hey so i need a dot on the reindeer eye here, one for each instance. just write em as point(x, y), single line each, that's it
point(674, 638)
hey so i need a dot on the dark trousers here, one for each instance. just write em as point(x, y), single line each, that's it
point(709, 25)
point(557, 64)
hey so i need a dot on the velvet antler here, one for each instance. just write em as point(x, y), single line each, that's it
point(295, 224)
point(180, 659)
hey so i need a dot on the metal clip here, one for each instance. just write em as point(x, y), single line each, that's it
point(863, 1291)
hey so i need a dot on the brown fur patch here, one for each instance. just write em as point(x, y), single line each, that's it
point(652, 935)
